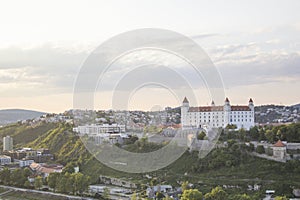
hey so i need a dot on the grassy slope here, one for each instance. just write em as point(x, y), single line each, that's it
point(68, 148)
point(23, 134)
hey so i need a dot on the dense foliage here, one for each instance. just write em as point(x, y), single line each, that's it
point(285, 132)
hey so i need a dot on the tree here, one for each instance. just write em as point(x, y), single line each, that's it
point(260, 149)
point(254, 133)
point(106, 193)
point(26, 172)
point(241, 197)
point(134, 197)
point(231, 126)
point(81, 182)
point(159, 195)
point(270, 135)
point(216, 193)
point(280, 198)
point(184, 186)
point(38, 182)
point(191, 194)
point(69, 183)
point(65, 184)
point(27, 184)
point(53, 180)
point(69, 168)
point(201, 135)
point(17, 178)
point(5, 175)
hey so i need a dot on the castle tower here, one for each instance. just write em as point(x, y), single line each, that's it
point(184, 110)
point(227, 110)
point(213, 103)
point(251, 105)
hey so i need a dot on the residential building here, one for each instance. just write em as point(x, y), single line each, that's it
point(45, 169)
point(25, 163)
point(7, 143)
point(4, 160)
point(97, 129)
point(279, 150)
point(242, 116)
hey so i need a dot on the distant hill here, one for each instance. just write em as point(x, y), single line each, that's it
point(13, 115)
point(296, 106)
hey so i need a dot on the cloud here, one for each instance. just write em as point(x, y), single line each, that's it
point(45, 66)
point(49, 68)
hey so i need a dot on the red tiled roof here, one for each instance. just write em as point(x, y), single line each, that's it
point(240, 108)
point(206, 109)
point(217, 108)
point(279, 144)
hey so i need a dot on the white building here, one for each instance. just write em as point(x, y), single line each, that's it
point(279, 150)
point(25, 163)
point(97, 129)
point(7, 143)
point(4, 160)
point(99, 139)
point(217, 116)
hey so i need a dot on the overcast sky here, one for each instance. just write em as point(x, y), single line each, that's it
point(254, 44)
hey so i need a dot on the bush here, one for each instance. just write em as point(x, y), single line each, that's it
point(260, 149)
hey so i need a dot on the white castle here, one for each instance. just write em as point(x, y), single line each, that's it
point(217, 116)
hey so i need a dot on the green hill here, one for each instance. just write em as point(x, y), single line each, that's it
point(223, 166)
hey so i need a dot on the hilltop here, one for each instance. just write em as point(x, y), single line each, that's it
point(8, 116)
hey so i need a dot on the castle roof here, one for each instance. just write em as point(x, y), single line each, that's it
point(240, 108)
point(279, 144)
point(250, 101)
point(217, 108)
point(206, 108)
point(185, 100)
point(226, 100)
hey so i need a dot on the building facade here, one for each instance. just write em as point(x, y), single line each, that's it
point(4, 160)
point(99, 129)
point(217, 116)
point(279, 150)
point(7, 143)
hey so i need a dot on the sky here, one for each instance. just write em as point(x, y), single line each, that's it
point(255, 46)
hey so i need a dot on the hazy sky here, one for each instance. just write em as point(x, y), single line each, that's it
point(254, 44)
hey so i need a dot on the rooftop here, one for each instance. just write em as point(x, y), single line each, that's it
point(279, 144)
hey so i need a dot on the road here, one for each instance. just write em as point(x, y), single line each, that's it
point(42, 192)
